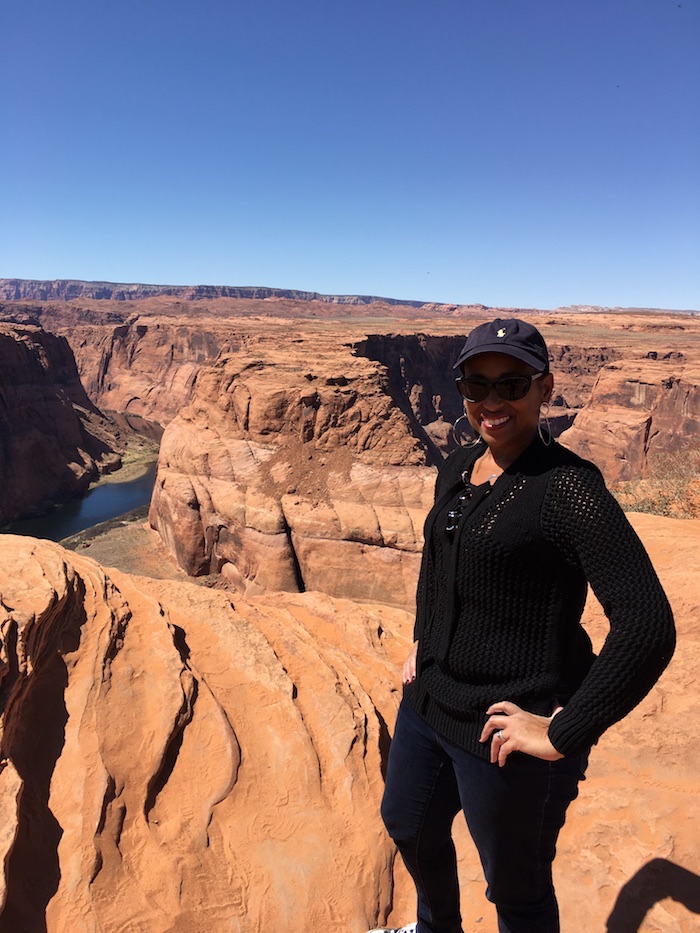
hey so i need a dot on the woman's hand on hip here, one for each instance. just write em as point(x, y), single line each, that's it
point(408, 674)
point(512, 729)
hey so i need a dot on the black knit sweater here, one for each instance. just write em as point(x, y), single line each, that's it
point(500, 601)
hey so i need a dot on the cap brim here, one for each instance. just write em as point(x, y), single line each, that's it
point(515, 352)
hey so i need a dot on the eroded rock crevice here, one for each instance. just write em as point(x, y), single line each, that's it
point(33, 649)
point(183, 787)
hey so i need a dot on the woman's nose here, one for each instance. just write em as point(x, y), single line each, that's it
point(493, 398)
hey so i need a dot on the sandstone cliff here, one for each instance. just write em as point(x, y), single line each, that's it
point(172, 761)
point(310, 404)
point(638, 411)
point(295, 465)
point(295, 473)
point(626, 383)
point(175, 760)
point(140, 349)
point(68, 289)
point(53, 440)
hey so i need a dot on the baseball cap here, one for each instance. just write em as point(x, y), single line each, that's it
point(510, 336)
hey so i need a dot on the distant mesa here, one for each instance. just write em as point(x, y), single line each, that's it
point(68, 289)
point(71, 289)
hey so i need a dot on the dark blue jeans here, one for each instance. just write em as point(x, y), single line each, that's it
point(514, 815)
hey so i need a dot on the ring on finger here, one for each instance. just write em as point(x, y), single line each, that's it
point(500, 736)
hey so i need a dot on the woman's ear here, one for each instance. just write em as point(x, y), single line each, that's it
point(547, 387)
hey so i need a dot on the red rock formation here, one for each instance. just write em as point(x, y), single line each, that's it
point(148, 369)
point(286, 477)
point(69, 289)
point(140, 348)
point(173, 760)
point(54, 441)
point(150, 362)
point(178, 759)
point(266, 477)
point(638, 410)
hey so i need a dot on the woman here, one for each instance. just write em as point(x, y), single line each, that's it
point(503, 696)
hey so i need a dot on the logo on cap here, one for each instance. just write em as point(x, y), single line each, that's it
point(501, 332)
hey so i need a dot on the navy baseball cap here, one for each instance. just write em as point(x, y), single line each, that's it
point(510, 336)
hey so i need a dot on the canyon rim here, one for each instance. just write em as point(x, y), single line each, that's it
point(185, 757)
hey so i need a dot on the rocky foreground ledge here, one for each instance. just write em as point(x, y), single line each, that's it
point(176, 759)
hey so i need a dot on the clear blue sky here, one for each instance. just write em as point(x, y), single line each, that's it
point(511, 152)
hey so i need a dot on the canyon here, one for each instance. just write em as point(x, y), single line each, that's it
point(55, 441)
point(187, 757)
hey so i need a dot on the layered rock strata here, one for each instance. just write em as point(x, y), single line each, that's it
point(639, 412)
point(626, 384)
point(53, 441)
point(139, 349)
point(301, 461)
point(289, 477)
point(147, 369)
point(69, 289)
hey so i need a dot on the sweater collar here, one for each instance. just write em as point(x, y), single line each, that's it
point(536, 458)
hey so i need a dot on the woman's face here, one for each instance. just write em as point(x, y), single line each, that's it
point(508, 427)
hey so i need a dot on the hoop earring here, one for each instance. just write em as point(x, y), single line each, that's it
point(472, 443)
point(546, 434)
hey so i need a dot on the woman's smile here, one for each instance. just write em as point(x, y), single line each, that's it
point(492, 422)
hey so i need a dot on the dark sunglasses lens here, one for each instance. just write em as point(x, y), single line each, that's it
point(472, 389)
point(513, 388)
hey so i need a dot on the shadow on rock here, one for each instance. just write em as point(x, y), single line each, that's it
point(654, 882)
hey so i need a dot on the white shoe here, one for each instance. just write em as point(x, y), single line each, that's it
point(409, 928)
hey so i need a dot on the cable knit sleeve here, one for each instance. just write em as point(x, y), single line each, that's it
point(586, 523)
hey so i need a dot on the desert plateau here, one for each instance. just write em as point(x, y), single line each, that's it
point(197, 704)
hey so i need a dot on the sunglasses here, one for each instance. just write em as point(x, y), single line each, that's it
point(509, 388)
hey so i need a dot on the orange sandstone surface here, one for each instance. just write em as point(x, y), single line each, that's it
point(176, 758)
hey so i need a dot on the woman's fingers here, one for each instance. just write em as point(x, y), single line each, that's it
point(498, 742)
point(498, 713)
point(505, 707)
point(408, 674)
point(512, 729)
